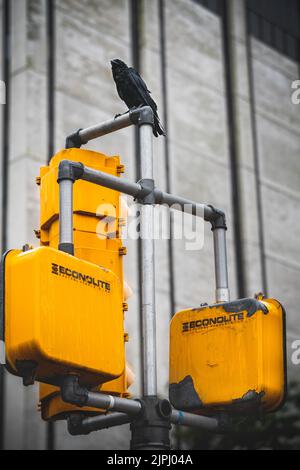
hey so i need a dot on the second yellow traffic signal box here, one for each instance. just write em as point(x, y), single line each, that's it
point(228, 356)
point(62, 315)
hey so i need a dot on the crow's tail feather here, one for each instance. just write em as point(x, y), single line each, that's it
point(158, 128)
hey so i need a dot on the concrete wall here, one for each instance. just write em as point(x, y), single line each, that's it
point(278, 126)
point(27, 152)
point(90, 33)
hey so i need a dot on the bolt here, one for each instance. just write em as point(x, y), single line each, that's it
point(37, 234)
point(120, 169)
point(123, 251)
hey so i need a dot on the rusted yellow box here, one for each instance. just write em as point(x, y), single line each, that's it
point(62, 315)
point(228, 356)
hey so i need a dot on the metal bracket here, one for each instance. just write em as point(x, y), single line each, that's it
point(145, 116)
point(218, 219)
point(147, 194)
point(151, 429)
point(72, 392)
point(68, 170)
point(74, 140)
point(75, 427)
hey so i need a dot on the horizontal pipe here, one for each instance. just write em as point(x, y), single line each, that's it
point(189, 419)
point(186, 205)
point(107, 127)
point(111, 182)
point(136, 190)
point(96, 423)
point(109, 402)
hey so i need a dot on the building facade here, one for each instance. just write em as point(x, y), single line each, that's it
point(222, 74)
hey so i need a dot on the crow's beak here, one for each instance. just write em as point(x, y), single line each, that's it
point(113, 62)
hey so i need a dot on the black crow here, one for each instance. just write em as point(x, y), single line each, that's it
point(134, 92)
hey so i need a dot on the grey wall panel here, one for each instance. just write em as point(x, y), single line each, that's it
point(278, 123)
point(23, 427)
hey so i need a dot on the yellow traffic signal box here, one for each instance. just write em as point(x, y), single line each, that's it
point(62, 315)
point(97, 211)
point(228, 356)
point(92, 201)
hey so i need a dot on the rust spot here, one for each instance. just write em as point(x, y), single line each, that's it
point(183, 395)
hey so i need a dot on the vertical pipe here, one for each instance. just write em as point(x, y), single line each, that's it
point(50, 16)
point(66, 216)
point(163, 57)
point(221, 270)
point(231, 121)
point(50, 21)
point(254, 129)
point(135, 26)
point(6, 42)
point(148, 270)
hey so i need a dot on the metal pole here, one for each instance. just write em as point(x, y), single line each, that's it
point(135, 189)
point(83, 136)
point(96, 423)
point(66, 216)
point(189, 419)
point(109, 402)
point(112, 182)
point(148, 271)
point(106, 127)
point(185, 205)
point(221, 271)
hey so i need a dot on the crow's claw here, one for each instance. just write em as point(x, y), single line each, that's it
point(123, 114)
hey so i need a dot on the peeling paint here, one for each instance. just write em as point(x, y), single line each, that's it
point(183, 395)
point(251, 306)
point(250, 401)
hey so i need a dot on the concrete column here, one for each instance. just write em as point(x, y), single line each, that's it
point(23, 426)
point(244, 147)
point(1, 110)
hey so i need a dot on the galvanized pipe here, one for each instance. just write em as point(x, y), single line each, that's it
point(112, 403)
point(107, 127)
point(148, 302)
point(197, 421)
point(66, 212)
point(112, 182)
point(134, 189)
point(148, 270)
point(221, 270)
point(146, 147)
point(96, 423)
point(186, 205)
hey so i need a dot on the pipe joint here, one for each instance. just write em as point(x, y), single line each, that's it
point(74, 140)
point(142, 116)
point(72, 392)
point(147, 194)
point(71, 171)
point(75, 425)
point(150, 430)
point(218, 219)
